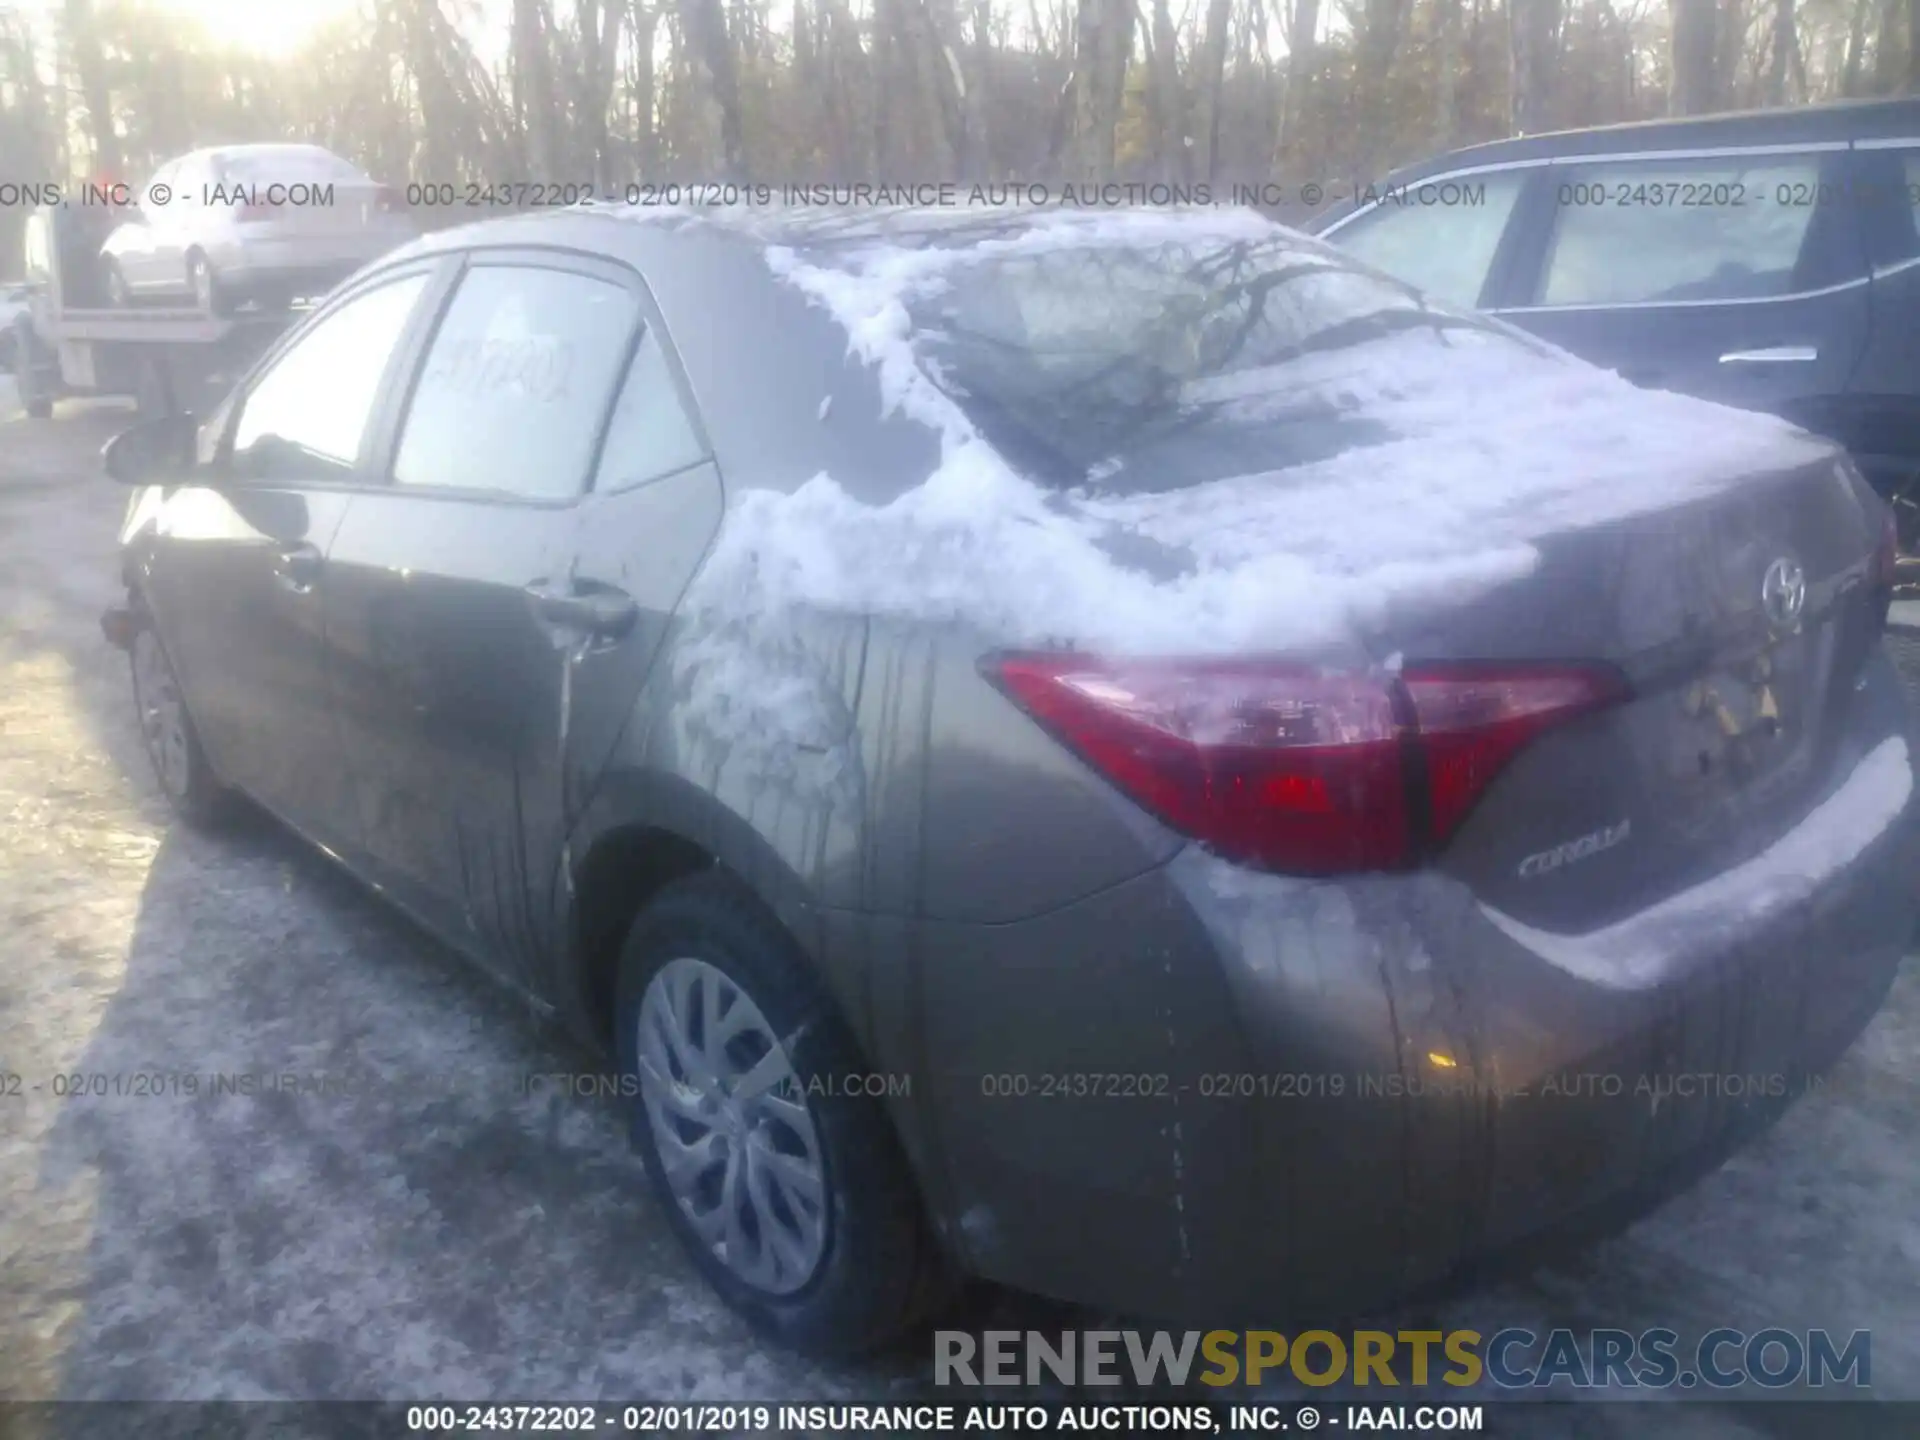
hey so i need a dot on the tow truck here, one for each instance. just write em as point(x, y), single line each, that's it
point(70, 341)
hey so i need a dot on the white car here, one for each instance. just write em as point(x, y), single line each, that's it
point(263, 222)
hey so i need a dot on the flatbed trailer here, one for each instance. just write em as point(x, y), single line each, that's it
point(169, 360)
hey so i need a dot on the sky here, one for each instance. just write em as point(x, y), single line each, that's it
point(271, 27)
point(268, 26)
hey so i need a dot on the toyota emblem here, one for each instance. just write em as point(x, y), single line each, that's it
point(1783, 593)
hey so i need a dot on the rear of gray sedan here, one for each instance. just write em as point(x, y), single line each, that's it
point(1464, 799)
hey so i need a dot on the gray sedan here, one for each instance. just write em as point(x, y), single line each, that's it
point(1128, 754)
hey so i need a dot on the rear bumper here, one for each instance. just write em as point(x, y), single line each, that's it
point(1223, 1097)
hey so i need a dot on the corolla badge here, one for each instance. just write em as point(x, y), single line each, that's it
point(1545, 862)
point(1783, 593)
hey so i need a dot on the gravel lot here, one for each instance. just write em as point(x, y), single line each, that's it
point(441, 1235)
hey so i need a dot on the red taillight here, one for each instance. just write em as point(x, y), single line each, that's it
point(1293, 769)
point(1472, 720)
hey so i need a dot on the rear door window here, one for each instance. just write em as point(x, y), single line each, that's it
point(1441, 237)
point(515, 385)
point(1724, 228)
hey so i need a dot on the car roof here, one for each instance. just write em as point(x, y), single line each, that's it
point(627, 233)
point(1838, 121)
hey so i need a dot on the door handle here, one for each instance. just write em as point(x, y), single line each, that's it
point(297, 567)
point(1773, 355)
point(602, 612)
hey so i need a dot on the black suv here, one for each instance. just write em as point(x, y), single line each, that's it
point(1767, 260)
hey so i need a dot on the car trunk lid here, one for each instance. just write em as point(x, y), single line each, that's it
point(1740, 622)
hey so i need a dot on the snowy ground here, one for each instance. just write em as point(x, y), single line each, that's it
point(443, 1236)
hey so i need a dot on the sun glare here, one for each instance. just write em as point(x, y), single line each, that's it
point(271, 27)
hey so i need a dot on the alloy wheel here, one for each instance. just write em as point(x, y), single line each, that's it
point(736, 1141)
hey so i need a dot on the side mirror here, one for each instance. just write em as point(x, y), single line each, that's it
point(152, 452)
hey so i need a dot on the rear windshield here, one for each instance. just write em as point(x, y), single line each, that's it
point(287, 166)
point(1135, 368)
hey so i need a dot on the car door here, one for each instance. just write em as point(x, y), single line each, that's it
point(239, 564)
point(472, 613)
point(1885, 397)
point(1734, 275)
point(1443, 235)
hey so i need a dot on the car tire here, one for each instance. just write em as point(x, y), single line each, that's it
point(853, 1270)
point(208, 293)
point(168, 735)
point(153, 396)
point(37, 403)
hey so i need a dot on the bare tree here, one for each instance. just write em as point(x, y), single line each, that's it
point(1887, 71)
point(1446, 106)
point(1103, 41)
point(1301, 19)
point(705, 27)
point(1533, 32)
point(598, 26)
point(1207, 86)
point(1856, 47)
point(1169, 101)
point(83, 40)
point(1695, 82)
point(1785, 69)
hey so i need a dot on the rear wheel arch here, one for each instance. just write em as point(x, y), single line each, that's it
point(626, 868)
point(661, 825)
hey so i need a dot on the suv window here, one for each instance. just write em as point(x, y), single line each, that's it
point(516, 382)
point(308, 412)
point(1714, 229)
point(1911, 235)
point(1443, 249)
point(649, 435)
